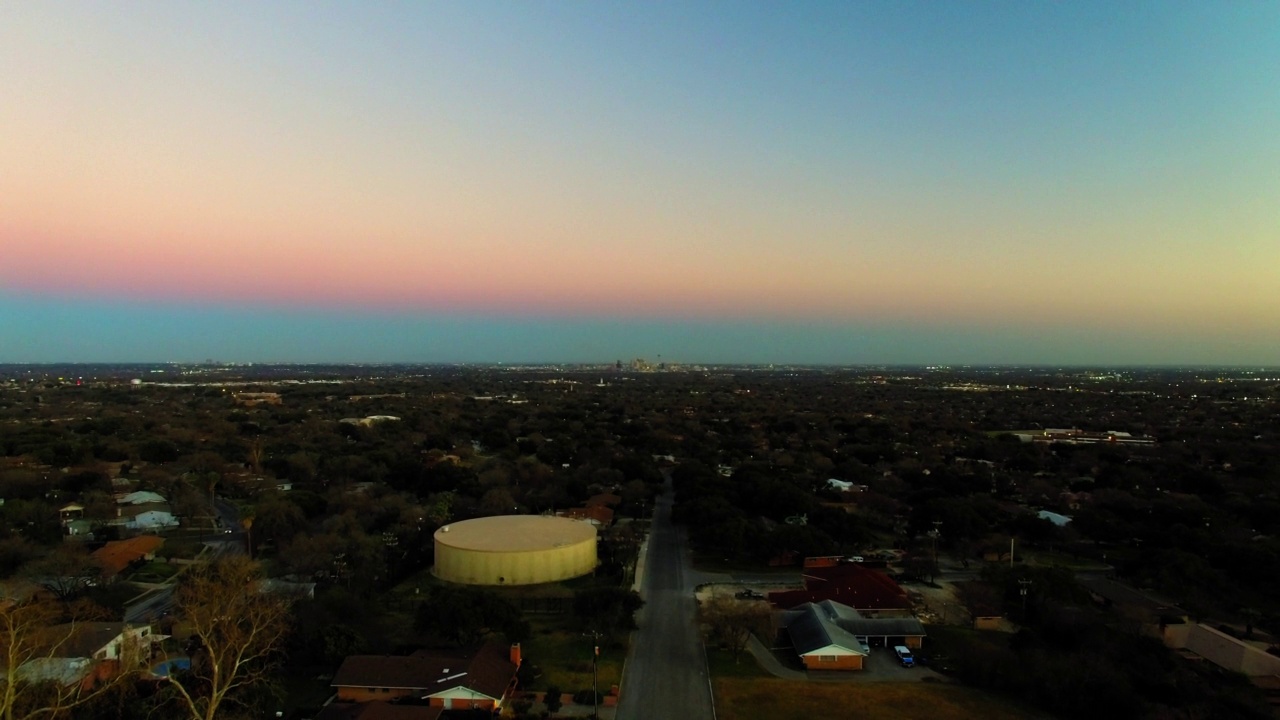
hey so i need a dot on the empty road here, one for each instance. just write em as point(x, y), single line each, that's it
point(666, 673)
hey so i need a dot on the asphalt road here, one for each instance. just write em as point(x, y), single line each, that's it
point(234, 541)
point(666, 673)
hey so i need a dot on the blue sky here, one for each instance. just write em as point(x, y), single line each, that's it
point(986, 182)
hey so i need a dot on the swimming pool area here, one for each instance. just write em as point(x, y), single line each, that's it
point(164, 667)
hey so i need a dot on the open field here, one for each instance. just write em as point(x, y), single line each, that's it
point(564, 658)
point(562, 654)
point(722, 665)
point(755, 698)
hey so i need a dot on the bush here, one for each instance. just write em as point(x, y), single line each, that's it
point(552, 699)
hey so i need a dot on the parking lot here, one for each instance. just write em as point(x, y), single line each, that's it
point(883, 665)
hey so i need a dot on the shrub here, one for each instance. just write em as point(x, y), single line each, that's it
point(552, 699)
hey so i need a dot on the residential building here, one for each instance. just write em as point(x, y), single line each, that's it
point(480, 679)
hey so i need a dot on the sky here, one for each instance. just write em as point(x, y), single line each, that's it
point(818, 182)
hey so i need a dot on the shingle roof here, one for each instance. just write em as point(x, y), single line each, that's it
point(388, 671)
point(813, 627)
point(116, 555)
point(884, 626)
point(608, 499)
point(488, 670)
point(85, 639)
point(849, 584)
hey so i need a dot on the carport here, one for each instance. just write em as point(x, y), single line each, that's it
point(885, 632)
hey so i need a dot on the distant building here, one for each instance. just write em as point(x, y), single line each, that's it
point(250, 399)
point(1073, 436)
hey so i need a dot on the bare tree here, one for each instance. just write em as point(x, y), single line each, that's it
point(237, 629)
point(731, 622)
point(66, 572)
point(37, 680)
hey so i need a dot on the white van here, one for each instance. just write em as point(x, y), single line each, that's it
point(905, 658)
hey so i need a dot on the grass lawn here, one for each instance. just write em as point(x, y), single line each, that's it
point(721, 664)
point(564, 657)
point(755, 698)
point(154, 572)
point(303, 688)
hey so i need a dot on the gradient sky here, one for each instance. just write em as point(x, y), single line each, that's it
point(843, 182)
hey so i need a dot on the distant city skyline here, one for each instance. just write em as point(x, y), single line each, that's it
point(825, 183)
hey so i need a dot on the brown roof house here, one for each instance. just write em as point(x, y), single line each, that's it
point(872, 592)
point(480, 679)
point(117, 555)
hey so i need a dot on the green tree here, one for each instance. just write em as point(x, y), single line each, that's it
point(464, 616)
point(607, 609)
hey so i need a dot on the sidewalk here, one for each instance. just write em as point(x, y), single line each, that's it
point(770, 662)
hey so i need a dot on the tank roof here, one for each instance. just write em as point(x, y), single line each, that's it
point(515, 533)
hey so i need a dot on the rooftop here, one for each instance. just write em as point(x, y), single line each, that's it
point(515, 533)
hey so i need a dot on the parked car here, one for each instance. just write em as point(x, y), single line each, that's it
point(905, 658)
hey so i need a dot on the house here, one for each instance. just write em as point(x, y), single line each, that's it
point(819, 641)
point(597, 515)
point(480, 679)
point(872, 592)
point(605, 499)
point(831, 636)
point(87, 652)
point(144, 516)
point(116, 556)
point(1056, 518)
point(140, 497)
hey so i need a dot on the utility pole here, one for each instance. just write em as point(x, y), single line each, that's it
point(595, 665)
point(937, 530)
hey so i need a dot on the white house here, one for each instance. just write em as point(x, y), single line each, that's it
point(140, 497)
point(151, 516)
point(86, 646)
